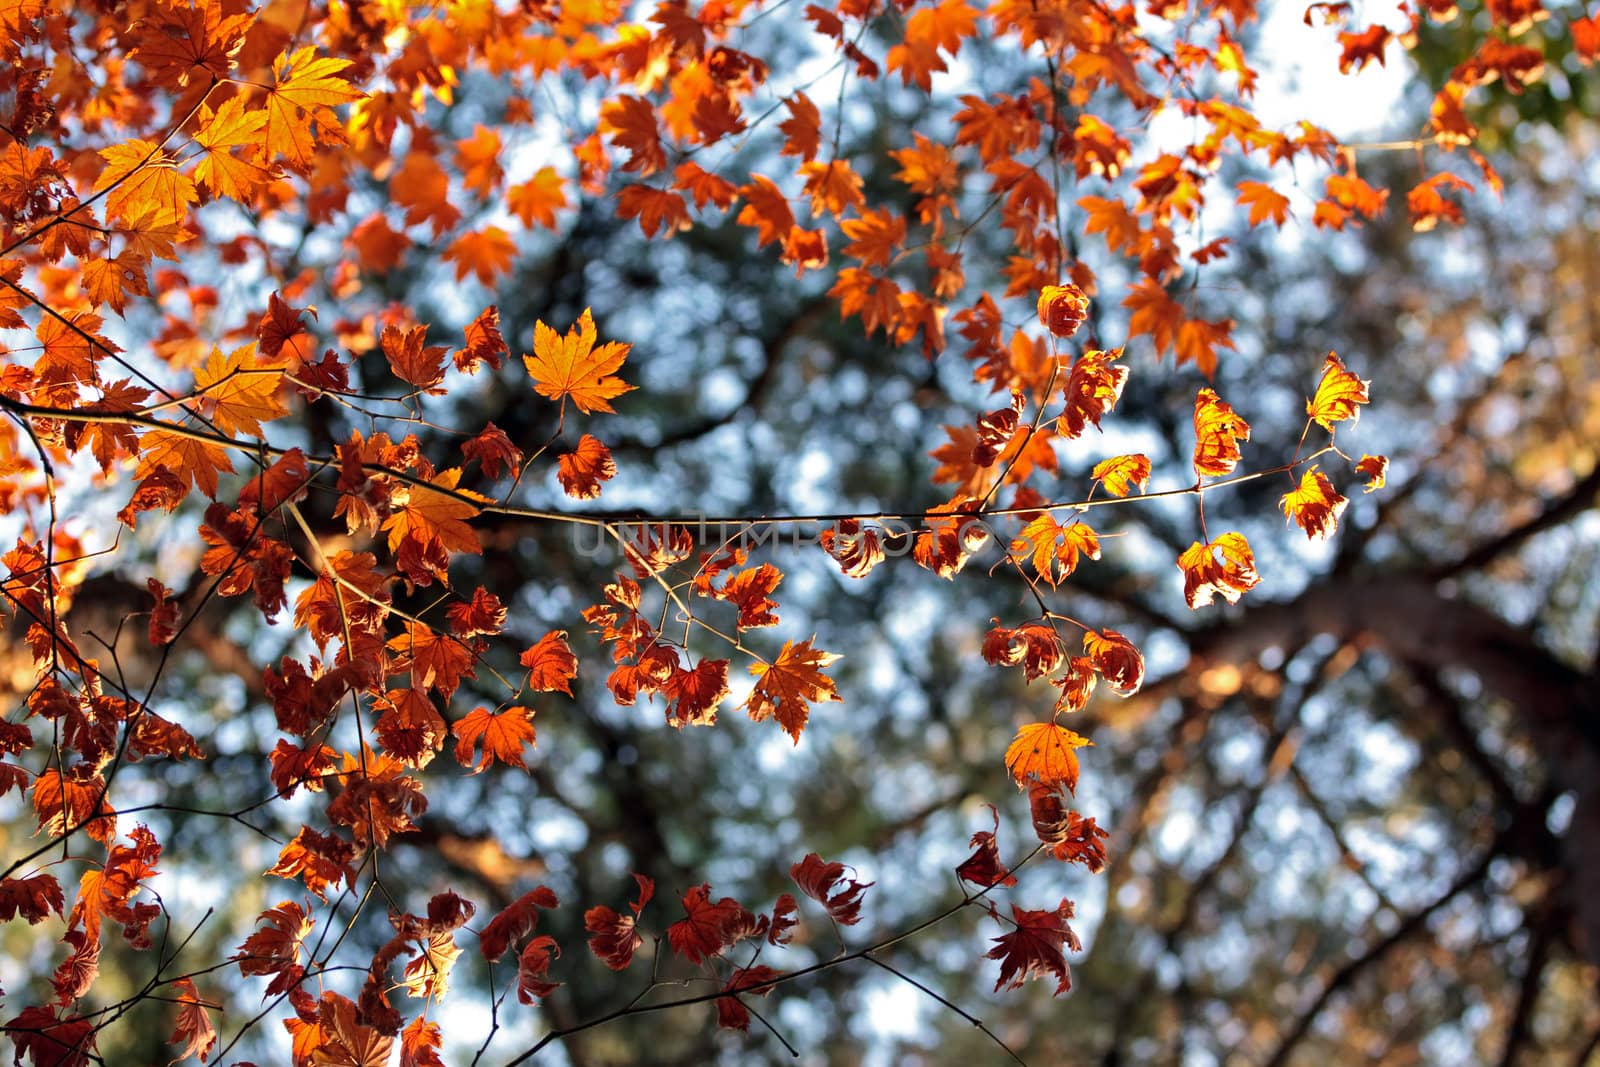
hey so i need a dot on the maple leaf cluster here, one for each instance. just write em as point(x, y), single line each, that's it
point(295, 453)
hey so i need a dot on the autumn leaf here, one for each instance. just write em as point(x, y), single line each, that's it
point(1120, 474)
point(320, 860)
point(1314, 505)
point(709, 926)
point(551, 664)
point(33, 897)
point(1043, 752)
point(631, 124)
point(487, 253)
point(874, 237)
point(1062, 309)
point(420, 1042)
point(1034, 949)
point(538, 199)
point(275, 948)
point(825, 882)
point(437, 661)
point(193, 1026)
point(1375, 469)
point(516, 922)
point(983, 867)
point(1264, 203)
point(306, 86)
point(112, 281)
point(614, 938)
point(583, 469)
point(802, 130)
point(787, 686)
point(533, 963)
point(421, 513)
point(412, 361)
point(230, 127)
point(1055, 549)
point(1339, 395)
point(1224, 566)
point(731, 1014)
point(493, 450)
point(409, 726)
point(50, 1041)
point(1117, 660)
point(242, 391)
point(1034, 645)
point(572, 366)
point(750, 591)
point(502, 735)
point(142, 184)
point(1218, 432)
point(766, 209)
point(1093, 388)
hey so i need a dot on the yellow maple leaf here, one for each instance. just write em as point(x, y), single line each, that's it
point(1120, 474)
point(143, 182)
point(427, 513)
point(1338, 395)
point(572, 366)
point(185, 457)
point(243, 391)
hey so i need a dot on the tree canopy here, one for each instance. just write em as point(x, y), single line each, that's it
point(876, 532)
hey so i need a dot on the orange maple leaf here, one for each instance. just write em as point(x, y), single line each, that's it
point(487, 253)
point(1264, 203)
point(437, 661)
point(1044, 752)
point(572, 366)
point(802, 130)
point(185, 457)
point(766, 209)
point(502, 735)
point(631, 124)
point(874, 236)
point(412, 361)
point(423, 514)
point(656, 209)
point(1055, 548)
point(1314, 504)
point(786, 687)
point(142, 184)
point(538, 199)
point(193, 1026)
point(583, 469)
point(551, 664)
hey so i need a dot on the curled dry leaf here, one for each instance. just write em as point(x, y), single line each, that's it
point(1339, 396)
point(1226, 566)
point(817, 878)
point(1375, 469)
point(1218, 432)
point(1314, 505)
